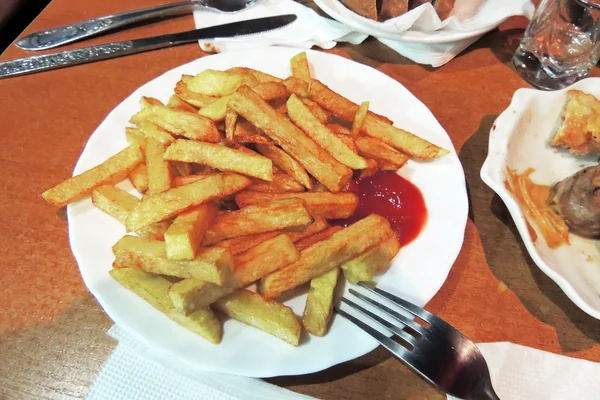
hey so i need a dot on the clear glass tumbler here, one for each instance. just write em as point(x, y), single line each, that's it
point(561, 44)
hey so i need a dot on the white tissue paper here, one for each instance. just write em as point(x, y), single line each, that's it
point(310, 29)
point(135, 371)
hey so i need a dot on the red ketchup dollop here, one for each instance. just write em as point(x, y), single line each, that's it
point(392, 197)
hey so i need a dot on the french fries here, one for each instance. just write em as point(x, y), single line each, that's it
point(186, 233)
point(364, 267)
point(374, 125)
point(241, 171)
point(210, 264)
point(303, 118)
point(299, 66)
point(113, 170)
point(316, 160)
point(220, 157)
point(158, 170)
point(323, 204)
point(167, 204)
point(328, 254)
point(380, 151)
point(319, 303)
point(118, 204)
point(286, 163)
point(181, 123)
point(154, 289)
point(253, 219)
point(269, 316)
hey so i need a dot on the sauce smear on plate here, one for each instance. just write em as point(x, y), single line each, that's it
point(392, 197)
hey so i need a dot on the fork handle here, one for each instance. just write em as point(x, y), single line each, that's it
point(70, 33)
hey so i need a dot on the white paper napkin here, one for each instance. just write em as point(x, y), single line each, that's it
point(310, 29)
point(134, 371)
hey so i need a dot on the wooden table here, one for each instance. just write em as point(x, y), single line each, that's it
point(52, 331)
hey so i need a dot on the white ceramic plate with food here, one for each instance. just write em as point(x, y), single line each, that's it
point(417, 273)
point(520, 139)
point(469, 29)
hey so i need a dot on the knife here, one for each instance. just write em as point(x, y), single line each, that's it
point(105, 51)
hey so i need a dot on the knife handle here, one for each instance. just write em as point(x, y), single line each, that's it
point(70, 33)
point(70, 57)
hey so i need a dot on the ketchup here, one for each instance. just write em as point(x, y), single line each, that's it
point(394, 198)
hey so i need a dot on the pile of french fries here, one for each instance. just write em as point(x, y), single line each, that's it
point(239, 173)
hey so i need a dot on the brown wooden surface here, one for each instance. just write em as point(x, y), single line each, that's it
point(52, 331)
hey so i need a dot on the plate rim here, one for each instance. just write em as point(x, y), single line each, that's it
point(125, 323)
point(499, 139)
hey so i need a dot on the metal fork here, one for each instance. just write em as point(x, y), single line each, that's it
point(439, 353)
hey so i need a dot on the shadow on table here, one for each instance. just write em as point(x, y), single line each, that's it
point(506, 255)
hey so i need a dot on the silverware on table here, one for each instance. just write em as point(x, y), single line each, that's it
point(117, 49)
point(437, 352)
point(61, 35)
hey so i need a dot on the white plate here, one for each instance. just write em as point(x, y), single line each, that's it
point(519, 140)
point(417, 273)
point(336, 10)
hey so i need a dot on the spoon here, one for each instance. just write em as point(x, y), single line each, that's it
point(61, 35)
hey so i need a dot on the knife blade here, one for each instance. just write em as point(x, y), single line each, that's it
point(105, 51)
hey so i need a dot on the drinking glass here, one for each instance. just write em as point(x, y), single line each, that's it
point(560, 46)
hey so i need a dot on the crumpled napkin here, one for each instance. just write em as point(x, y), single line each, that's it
point(310, 29)
point(135, 371)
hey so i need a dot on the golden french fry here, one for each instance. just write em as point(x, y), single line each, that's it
point(359, 118)
point(195, 99)
point(260, 76)
point(319, 303)
point(336, 103)
point(241, 244)
point(111, 171)
point(245, 138)
point(118, 204)
point(154, 289)
point(268, 91)
point(349, 141)
point(184, 180)
point(286, 163)
point(219, 83)
point(372, 168)
point(380, 151)
point(159, 170)
point(288, 213)
point(150, 101)
point(322, 115)
point(299, 66)
point(281, 183)
point(269, 316)
point(213, 264)
point(296, 86)
point(328, 254)
point(135, 137)
point(186, 233)
point(306, 121)
point(178, 103)
point(176, 200)
point(230, 121)
point(385, 166)
point(148, 129)
point(316, 160)
point(263, 259)
point(220, 157)
point(401, 140)
point(339, 129)
point(317, 237)
point(189, 295)
point(139, 178)
point(364, 267)
point(180, 123)
point(323, 204)
point(373, 125)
